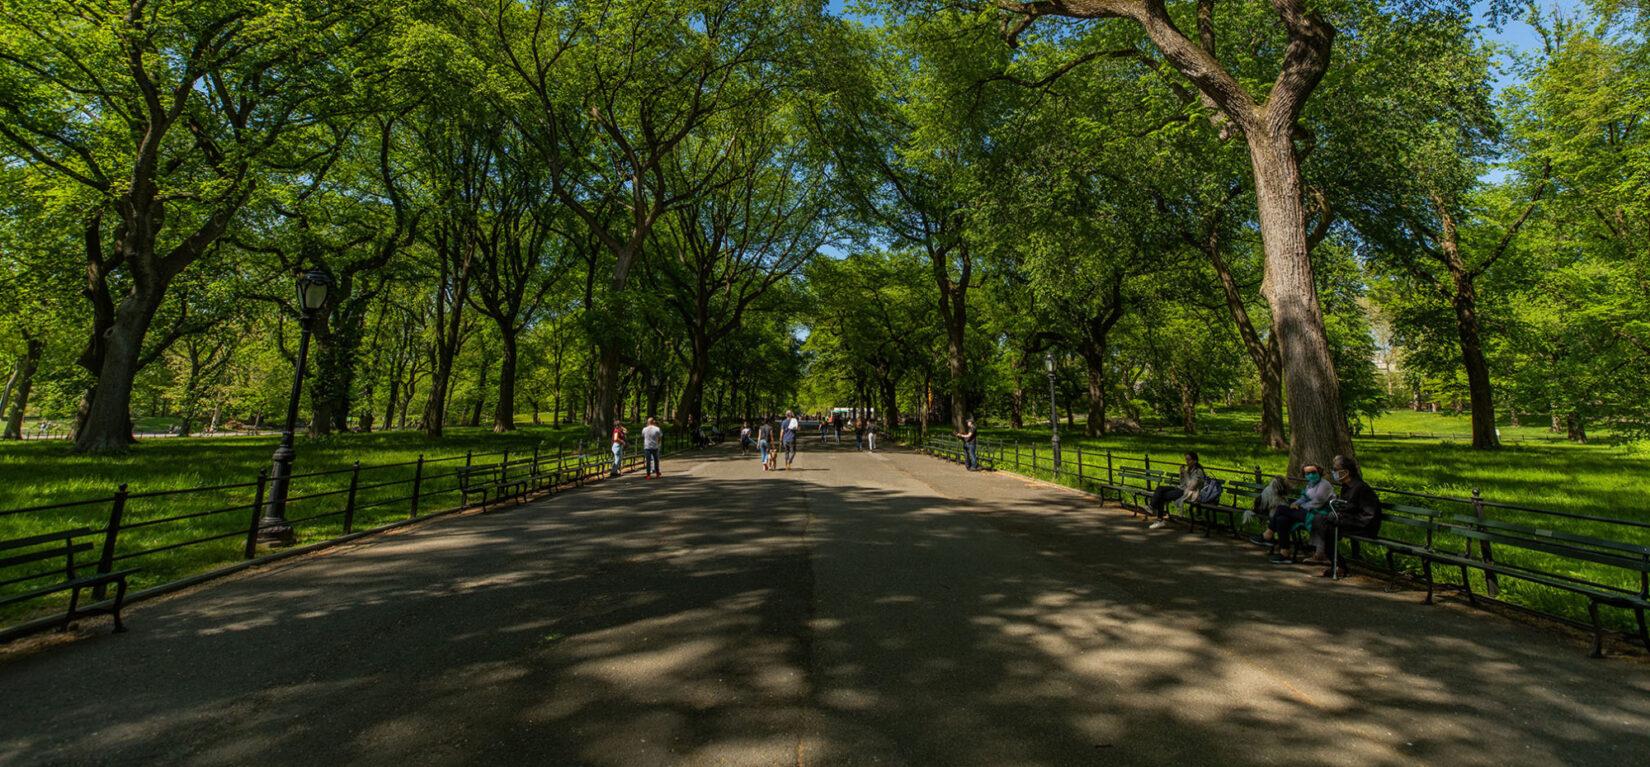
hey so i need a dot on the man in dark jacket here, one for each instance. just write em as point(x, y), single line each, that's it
point(1359, 512)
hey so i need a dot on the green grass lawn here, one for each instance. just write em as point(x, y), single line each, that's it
point(221, 474)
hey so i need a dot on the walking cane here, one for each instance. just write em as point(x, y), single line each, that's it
point(1335, 558)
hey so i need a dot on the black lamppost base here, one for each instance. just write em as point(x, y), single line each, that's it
point(274, 531)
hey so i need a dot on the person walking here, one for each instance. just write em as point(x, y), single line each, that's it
point(871, 435)
point(824, 428)
point(859, 434)
point(744, 437)
point(620, 436)
point(970, 438)
point(652, 437)
point(788, 436)
point(764, 442)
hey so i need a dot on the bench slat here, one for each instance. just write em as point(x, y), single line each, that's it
point(1555, 534)
point(83, 582)
point(18, 543)
point(57, 553)
point(1556, 549)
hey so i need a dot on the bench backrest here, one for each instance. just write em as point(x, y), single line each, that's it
point(1618, 547)
point(45, 547)
point(1467, 528)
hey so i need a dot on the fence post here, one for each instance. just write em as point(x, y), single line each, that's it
point(349, 502)
point(1033, 472)
point(418, 480)
point(1109, 479)
point(105, 563)
point(1492, 584)
point(257, 513)
point(1079, 465)
point(1257, 474)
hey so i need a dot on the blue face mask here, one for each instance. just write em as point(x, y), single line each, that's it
point(1314, 477)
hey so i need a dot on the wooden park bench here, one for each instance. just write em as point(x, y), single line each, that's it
point(1138, 484)
point(1425, 534)
point(51, 547)
point(1491, 534)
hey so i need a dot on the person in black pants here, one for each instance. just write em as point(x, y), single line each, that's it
point(1191, 481)
point(970, 436)
point(1359, 515)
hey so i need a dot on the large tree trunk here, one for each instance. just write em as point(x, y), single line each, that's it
point(24, 380)
point(604, 406)
point(1317, 422)
point(1264, 354)
point(104, 423)
point(1575, 428)
point(959, 369)
point(1017, 400)
point(434, 420)
point(1094, 358)
point(690, 408)
point(1188, 411)
point(1465, 302)
point(504, 415)
point(890, 401)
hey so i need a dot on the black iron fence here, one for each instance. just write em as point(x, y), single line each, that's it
point(180, 536)
point(1466, 526)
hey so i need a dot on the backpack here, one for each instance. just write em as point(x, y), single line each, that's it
point(1210, 492)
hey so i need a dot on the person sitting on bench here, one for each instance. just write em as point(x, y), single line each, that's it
point(1361, 514)
point(1191, 481)
point(1316, 495)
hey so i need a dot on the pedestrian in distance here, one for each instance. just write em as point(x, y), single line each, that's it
point(871, 435)
point(620, 438)
point(859, 434)
point(744, 437)
point(788, 436)
point(764, 441)
point(970, 438)
point(652, 437)
point(824, 428)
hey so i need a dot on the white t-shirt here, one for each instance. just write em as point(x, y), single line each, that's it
point(651, 435)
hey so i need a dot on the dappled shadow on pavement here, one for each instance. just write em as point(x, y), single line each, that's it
point(889, 609)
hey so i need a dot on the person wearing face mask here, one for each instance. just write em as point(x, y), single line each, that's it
point(1358, 514)
point(1315, 496)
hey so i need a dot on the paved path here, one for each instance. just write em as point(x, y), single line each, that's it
point(882, 609)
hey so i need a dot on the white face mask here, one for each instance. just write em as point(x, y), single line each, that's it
point(1340, 476)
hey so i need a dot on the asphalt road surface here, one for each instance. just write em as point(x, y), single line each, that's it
point(886, 609)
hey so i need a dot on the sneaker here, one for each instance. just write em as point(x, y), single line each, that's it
point(1281, 560)
point(1259, 541)
point(1159, 524)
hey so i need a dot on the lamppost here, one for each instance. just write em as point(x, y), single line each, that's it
point(273, 528)
point(1053, 411)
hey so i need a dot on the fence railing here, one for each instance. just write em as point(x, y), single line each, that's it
point(1093, 471)
point(173, 534)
